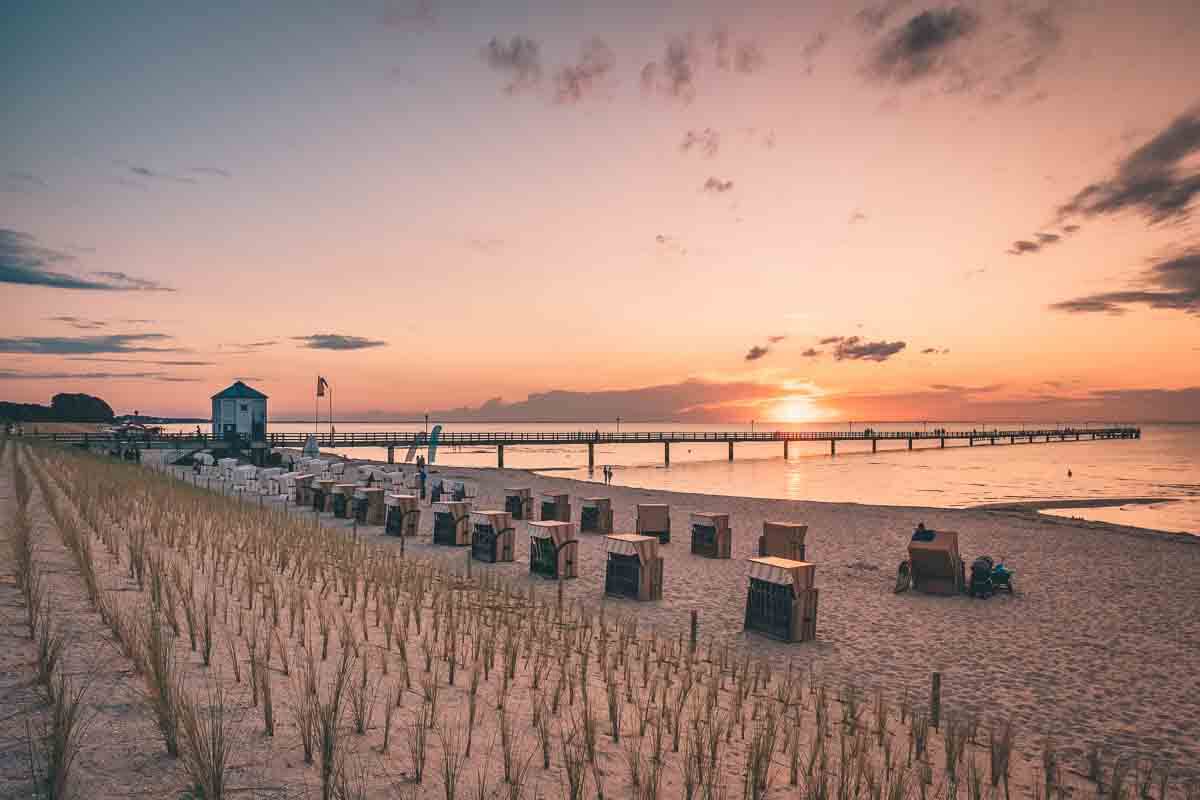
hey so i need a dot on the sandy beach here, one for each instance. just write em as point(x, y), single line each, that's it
point(1095, 651)
point(1098, 644)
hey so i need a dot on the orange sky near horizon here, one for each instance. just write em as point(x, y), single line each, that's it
point(465, 242)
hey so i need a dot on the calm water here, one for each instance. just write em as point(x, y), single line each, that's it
point(1164, 463)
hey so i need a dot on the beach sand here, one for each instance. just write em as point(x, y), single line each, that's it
point(1101, 642)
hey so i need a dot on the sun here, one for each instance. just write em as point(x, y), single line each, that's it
point(796, 408)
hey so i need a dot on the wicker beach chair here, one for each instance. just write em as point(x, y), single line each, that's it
point(934, 563)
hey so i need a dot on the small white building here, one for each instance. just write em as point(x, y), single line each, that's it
point(240, 411)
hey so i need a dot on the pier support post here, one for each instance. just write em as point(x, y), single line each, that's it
point(910, 444)
point(833, 447)
point(874, 445)
point(731, 451)
point(943, 442)
point(391, 454)
point(785, 449)
point(591, 456)
point(500, 456)
point(971, 442)
point(666, 454)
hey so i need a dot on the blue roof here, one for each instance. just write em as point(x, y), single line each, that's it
point(239, 391)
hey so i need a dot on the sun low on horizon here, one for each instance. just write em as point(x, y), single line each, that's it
point(796, 409)
point(699, 212)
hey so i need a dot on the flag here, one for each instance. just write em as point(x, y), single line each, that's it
point(322, 385)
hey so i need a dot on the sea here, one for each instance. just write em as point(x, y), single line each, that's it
point(1162, 466)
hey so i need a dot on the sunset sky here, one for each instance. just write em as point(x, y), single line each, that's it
point(694, 210)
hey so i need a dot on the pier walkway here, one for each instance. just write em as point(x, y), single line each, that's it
point(500, 439)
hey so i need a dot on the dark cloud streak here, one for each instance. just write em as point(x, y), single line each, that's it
point(919, 47)
point(337, 341)
point(1040, 242)
point(1152, 180)
point(23, 262)
point(79, 323)
point(142, 171)
point(853, 348)
point(757, 352)
point(1170, 284)
point(66, 345)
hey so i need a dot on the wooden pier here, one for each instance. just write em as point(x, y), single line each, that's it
point(391, 440)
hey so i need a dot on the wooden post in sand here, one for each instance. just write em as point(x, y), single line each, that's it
point(695, 631)
point(935, 701)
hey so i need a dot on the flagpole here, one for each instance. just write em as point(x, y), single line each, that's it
point(317, 408)
point(330, 416)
